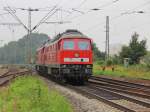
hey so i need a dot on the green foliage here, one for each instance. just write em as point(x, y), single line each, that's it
point(30, 94)
point(109, 62)
point(133, 71)
point(146, 60)
point(98, 55)
point(116, 60)
point(100, 62)
point(18, 51)
point(135, 50)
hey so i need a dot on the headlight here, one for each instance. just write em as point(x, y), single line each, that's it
point(66, 70)
point(64, 66)
point(89, 66)
point(89, 71)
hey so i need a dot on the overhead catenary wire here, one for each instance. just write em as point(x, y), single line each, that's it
point(4, 14)
point(92, 9)
point(45, 17)
point(11, 12)
point(48, 15)
point(75, 9)
point(82, 3)
point(29, 24)
point(46, 9)
point(116, 17)
point(57, 22)
point(107, 4)
point(10, 24)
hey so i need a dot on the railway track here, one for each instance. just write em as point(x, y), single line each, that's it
point(121, 83)
point(9, 75)
point(122, 87)
point(113, 92)
point(114, 99)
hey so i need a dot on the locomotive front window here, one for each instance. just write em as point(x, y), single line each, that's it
point(83, 45)
point(68, 44)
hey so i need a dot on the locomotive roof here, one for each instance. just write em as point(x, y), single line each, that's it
point(68, 33)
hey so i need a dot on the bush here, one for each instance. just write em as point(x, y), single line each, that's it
point(100, 62)
point(146, 60)
point(116, 60)
point(109, 62)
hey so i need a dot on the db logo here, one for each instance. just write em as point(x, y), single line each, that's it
point(76, 55)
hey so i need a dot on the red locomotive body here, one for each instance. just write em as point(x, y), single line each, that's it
point(68, 56)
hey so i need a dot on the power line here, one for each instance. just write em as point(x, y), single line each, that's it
point(81, 4)
point(46, 17)
point(92, 9)
point(11, 24)
point(57, 22)
point(10, 11)
point(107, 4)
point(76, 9)
point(46, 9)
point(29, 29)
point(118, 16)
point(4, 14)
point(54, 10)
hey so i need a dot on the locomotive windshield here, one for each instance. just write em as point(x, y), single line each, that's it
point(83, 45)
point(76, 44)
point(68, 44)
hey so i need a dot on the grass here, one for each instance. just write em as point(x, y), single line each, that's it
point(136, 71)
point(30, 94)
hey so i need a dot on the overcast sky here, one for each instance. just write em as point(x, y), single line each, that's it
point(123, 21)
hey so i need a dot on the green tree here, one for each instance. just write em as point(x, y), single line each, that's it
point(135, 50)
point(18, 51)
point(98, 55)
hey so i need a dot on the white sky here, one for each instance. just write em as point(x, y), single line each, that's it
point(91, 23)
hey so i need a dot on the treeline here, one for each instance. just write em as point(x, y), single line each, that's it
point(135, 52)
point(18, 52)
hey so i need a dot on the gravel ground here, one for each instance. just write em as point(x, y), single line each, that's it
point(2, 71)
point(132, 105)
point(79, 102)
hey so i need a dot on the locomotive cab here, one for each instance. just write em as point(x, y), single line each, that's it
point(76, 58)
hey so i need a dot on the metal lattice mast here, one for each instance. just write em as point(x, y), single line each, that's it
point(107, 39)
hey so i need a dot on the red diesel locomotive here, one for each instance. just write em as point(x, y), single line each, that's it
point(67, 57)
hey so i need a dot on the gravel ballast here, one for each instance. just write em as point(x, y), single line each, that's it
point(79, 102)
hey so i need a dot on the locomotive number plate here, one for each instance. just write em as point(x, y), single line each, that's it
point(76, 59)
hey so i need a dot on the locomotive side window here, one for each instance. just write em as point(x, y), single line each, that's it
point(83, 45)
point(68, 45)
